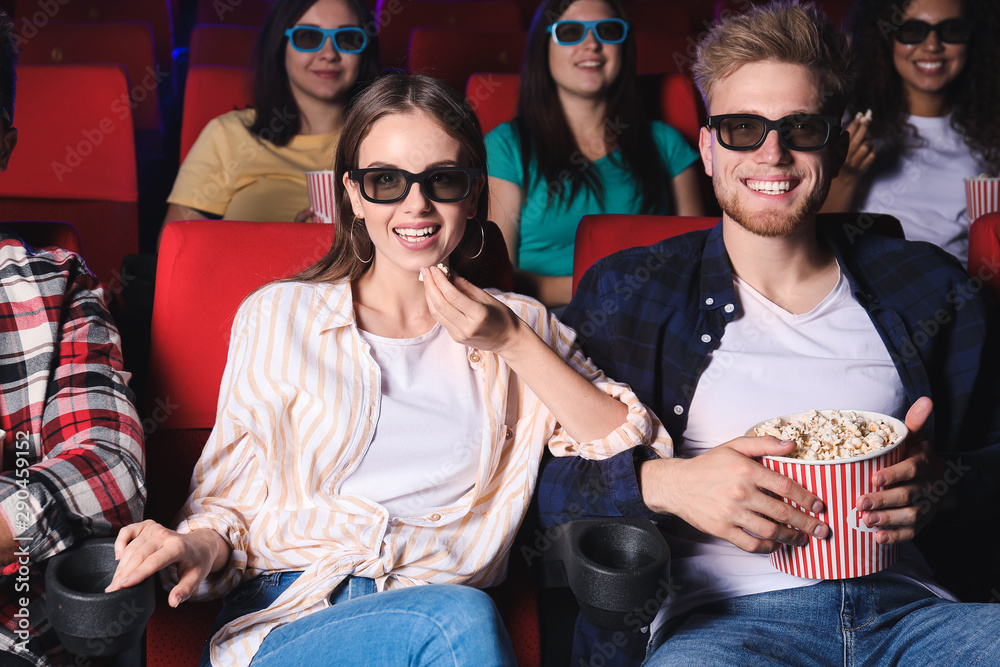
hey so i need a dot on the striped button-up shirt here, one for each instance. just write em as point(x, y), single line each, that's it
point(298, 407)
point(72, 454)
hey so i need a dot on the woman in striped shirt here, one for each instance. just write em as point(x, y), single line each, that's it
point(380, 423)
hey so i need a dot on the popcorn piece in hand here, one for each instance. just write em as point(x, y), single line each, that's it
point(444, 269)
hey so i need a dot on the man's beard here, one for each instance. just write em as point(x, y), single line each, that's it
point(766, 223)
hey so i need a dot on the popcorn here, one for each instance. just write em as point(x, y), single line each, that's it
point(866, 116)
point(444, 269)
point(838, 434)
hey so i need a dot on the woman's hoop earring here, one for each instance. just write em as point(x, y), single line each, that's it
point(354, 248)
point(482, 232)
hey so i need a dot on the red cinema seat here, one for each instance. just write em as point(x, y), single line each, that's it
point(219, 44)
point(670, 17)
point(493, 96)
point(75, 162)
point(156, 13)
point(663, 52)
point(234, 12)
point(601, 235)
point(454, 54)
point(190, 339)
point(836, 10)
point(210, 91)
point(984, 250)
point(44, 234)
point(129, 43)
point(672, 99)
point(397, 19)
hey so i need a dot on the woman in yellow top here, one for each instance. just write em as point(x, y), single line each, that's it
point(312, 57)
point(381, 424)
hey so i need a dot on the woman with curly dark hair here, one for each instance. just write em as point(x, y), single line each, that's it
point(929, 72)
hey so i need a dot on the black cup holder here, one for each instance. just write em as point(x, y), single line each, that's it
point(618, 569)
point(88, 621)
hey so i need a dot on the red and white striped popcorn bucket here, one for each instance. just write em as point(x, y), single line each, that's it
point(851, 549)
point(982, 196)
point(321, 199)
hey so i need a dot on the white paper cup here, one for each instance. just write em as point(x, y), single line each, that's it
point(851, 549)
point(982, 196)
point(321, 199)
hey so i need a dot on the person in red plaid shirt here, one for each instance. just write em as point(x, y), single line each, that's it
point(72, 458)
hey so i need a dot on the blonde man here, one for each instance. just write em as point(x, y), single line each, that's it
point(769, 314)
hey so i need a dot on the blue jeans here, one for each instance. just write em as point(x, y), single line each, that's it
point(420, 625)
point(846, 622)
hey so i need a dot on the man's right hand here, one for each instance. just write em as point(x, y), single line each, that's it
point(727, 494)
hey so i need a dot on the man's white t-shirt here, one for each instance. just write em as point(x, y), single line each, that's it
point(770, 363)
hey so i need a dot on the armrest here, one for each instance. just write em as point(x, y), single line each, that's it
point(614, 567)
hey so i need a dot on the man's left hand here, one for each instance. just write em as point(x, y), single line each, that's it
point(894, 509)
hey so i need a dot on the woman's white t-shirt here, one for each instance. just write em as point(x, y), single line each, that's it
point(426, 448)
point(925, 187)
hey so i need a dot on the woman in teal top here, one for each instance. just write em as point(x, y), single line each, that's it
point(580, 144)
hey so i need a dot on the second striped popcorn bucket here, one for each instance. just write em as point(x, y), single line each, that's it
point(321, 199)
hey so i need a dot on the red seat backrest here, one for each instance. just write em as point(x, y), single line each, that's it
point(210, 91)
point(82, 150)
point(190, 330)
point(454, 54)
point(220, 44)
point(397, 19)
point(129, 43)
point(234, 12)
point(663, 52)
point(836, 10)
point(75, 162)
point(493, 96)
point(661, 16)
point(672, 99)
point(601, 235)
point(44, 234)
point(156, 13)
point(984, 250)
